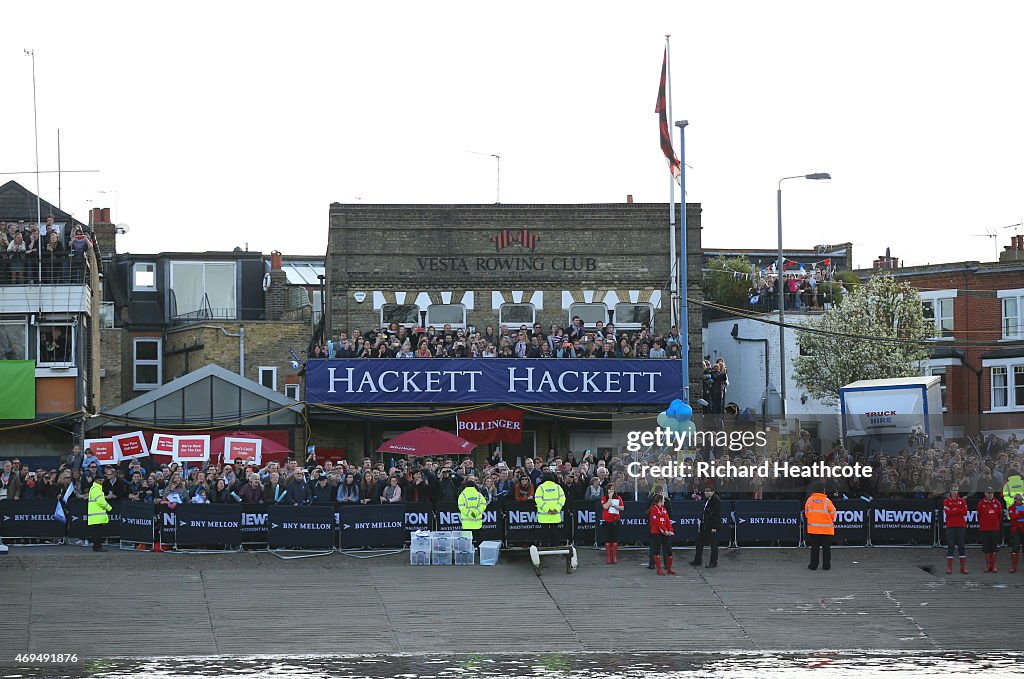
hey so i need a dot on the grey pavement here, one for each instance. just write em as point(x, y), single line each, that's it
point(256, 603)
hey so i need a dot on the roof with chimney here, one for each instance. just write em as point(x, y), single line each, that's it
point(17, 202)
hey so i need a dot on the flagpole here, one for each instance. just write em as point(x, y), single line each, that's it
point(684, 312)
point(673, 269)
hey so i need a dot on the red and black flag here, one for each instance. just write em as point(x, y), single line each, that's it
point(662, 110)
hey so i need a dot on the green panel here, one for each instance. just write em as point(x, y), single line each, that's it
point(17, 390)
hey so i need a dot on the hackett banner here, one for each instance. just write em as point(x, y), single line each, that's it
point(491, 426)
point(488, 380)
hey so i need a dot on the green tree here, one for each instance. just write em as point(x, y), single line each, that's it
point(837, 353)
point(722, 284)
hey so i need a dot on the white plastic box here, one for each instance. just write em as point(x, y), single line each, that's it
point(441, 558)
point(419, 541)
point(489, 550)
point(441, 542)
point(465, 558)
point(419, 557)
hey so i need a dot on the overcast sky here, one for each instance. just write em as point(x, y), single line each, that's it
point(216, 124)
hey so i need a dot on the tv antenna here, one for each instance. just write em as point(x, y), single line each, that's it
point(993, 234)
point(497, 192)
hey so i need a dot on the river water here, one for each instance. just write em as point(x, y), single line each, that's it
point(545, 666)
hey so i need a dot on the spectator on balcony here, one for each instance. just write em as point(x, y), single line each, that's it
point(625, 349)
point(657, 351)
point(16, 257)
point(79, 247)
point(405, 351)
point(533, 350)
point(32, 247)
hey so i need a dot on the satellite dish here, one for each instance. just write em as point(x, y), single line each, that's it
point(121, 228)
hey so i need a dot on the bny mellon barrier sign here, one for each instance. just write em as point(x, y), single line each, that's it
point(492, 380)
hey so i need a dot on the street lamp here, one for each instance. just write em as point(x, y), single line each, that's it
point(780, 271)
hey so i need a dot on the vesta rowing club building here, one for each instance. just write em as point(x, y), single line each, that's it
point(473, 266)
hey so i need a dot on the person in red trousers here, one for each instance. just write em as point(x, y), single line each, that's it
point(611, 506)
point(661, 534)
point(990, 522)
point(1016, 512)
point(955, 508)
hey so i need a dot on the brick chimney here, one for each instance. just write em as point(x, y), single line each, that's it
point(886, 261)
point(103, 230)
point(275, 298)
point(1014, 252)
point(629, 199)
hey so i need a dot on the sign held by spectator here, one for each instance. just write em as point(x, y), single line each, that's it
point(194, 448)
point(131, 445)
point(105, 450)
point(243, 450)
point(163, 444)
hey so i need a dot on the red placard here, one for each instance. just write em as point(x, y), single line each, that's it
point(194, 448)
point(491, 426)
point(243, 450)
point(131, 446)
point(105, 450)
point(163, 444)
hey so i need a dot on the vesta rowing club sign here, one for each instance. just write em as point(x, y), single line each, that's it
point(491, 380)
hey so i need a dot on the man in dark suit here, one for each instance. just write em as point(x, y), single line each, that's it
point(710, 521)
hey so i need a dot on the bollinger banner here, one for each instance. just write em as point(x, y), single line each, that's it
point(472, 380)
point(243, 450)
point(131, 446)
point(105, 450)
point(192, 448)
point(491, 426)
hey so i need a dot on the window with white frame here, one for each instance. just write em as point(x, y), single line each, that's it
point(203, 289)
point(56, 345)
point(143, 276)
point(937, 308)
point(1007, 383)
point(516, 314)
point(403, 314)
point(439, 315)
point(1012, 304)
point(590, 314)
point(632, 316)
point(13, 340)
point(268, 377)
point(107, 315)
point(147, 363)
point(292, 391)
point(940, 372)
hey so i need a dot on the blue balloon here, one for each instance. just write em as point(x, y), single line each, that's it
point(685, 413)
point(664, 420)
point(675, 404)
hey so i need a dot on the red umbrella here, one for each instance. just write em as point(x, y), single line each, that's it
point(427, 441)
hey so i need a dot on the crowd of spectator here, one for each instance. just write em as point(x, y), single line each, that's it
point(801, 290)
point(31, 255)
point(918, 471)
point(602, 341)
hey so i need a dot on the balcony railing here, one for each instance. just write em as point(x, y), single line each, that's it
point(54, 269)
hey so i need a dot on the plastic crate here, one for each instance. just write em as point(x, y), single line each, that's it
point(441, 542)
point(441, 558)
point(420, 557)
point(465, 558)
point(463, 543)
point(419, 541)
point(489, 550)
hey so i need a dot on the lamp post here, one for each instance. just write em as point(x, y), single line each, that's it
point(781, 272)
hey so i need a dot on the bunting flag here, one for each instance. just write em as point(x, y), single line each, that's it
point(662, 110)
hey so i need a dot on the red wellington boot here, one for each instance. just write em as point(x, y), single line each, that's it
point(963, 565)
point(657, 564)
point(615, 552)
point(994, 556)
point(988, 562)
point(1013, 562)
point(949, 565)
point(668, 566)
point(608, 552)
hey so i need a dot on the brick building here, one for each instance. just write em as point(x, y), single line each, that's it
point(473, 266)
point(979, 345)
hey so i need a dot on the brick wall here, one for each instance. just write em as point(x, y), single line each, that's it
point(112, 361)
point(409, 248)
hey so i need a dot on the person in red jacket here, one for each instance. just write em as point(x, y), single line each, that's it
point(990, 521)
point(661, 534)
point(611, 511)
point(1016, 512)
point(955, 509)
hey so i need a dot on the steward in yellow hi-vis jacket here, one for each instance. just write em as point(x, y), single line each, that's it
point(472, 505)
point(550, 499)
point(97, 514)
